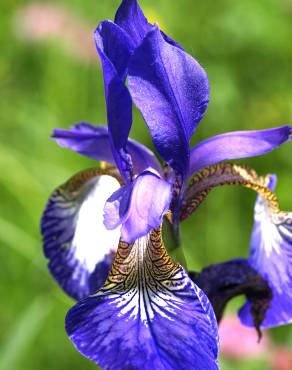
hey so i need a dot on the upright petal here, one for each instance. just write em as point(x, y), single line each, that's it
point(271, 257)
point(131, 18)
point(93, 142)
point(172, 91)
point(148, 315)
point(235, 145)
point(115, 48)
point(79, 247)
point(139, 206)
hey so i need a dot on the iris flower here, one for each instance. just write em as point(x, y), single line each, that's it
point(102, 230)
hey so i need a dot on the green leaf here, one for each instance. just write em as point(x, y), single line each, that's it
point(22, 336)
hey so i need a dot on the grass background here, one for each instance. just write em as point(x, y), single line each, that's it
point(246, 48)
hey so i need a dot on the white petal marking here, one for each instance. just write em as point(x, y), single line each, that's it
point(89, 249)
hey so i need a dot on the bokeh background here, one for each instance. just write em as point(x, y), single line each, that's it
point(50, 77)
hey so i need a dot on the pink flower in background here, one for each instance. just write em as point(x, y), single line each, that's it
point(239, 342)
point(282, 359)
point(38, 22)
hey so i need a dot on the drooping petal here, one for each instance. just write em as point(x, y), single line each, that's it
point(172, 91)
point(220, 174)
point(139, 206)
point(131, 18)
point(93, 142)
point(79, 248)
point(271, 257)
point(224, 281)
point(148, 315)
point(235, 145)
point(115, 48)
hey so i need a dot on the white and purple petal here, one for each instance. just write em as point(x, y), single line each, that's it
point(271, 257)
point(93, 142)
point(171, 90)
point(236, 145)
point(115, 48)
point(139, 206)
point(148, 315)
point(79, 248)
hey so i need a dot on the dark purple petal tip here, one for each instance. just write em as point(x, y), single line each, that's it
point(132, 20)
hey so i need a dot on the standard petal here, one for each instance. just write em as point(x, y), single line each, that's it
point(172, 91)
point(79, 248)
point(139, 206)
point(271, 257)
point(148, 315)
point(235, 145)
point(93, 142)
point(115, 48)
point(130, 17)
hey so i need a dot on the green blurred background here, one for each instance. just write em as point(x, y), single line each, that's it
point(246, 48)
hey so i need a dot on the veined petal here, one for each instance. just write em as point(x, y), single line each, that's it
point(235, 145)
point(93, 142)
point(115, 48)
point(79, 248)
point(220, 174)
point(271, 257)
point(148, 315)
point(138, 206)
point(130, 17)
point(172, 91)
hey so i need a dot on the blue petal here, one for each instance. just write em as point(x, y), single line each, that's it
point(130, 17)
point(172, 91)
point(271, 257)
point(139, 206)
point(93, 141)
point(234, 145)
point(148, 315)
point(115, 48)
point(79, 248)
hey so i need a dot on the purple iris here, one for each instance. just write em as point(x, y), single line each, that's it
point(102, 229)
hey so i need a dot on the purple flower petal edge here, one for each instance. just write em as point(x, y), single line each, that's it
point(93, 142)
point(235, 145)
point(271, 257)
point(115, 48)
